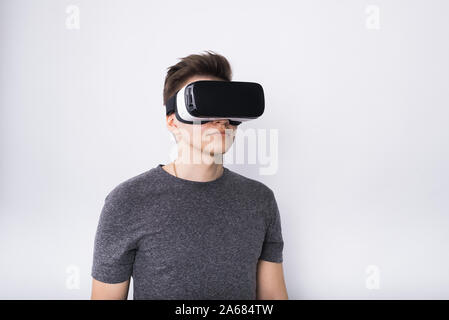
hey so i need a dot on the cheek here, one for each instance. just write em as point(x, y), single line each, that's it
point(197, 135)
point(205, 139)
point(186, 134)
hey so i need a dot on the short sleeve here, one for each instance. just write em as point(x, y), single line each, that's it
point(115, 246)
point(273, 243)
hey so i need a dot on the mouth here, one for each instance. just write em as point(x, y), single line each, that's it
point(222, 133)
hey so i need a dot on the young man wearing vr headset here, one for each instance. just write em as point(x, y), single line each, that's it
point(193, 229)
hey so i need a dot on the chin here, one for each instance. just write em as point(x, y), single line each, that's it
point(221, 147)
point(216, 152)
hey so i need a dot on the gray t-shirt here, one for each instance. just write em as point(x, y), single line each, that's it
point(183, 239)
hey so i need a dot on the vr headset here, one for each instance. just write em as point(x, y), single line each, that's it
point(207, 100)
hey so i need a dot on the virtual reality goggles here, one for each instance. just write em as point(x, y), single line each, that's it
point(206, 100)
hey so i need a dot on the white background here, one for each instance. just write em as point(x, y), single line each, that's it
point(360, 105)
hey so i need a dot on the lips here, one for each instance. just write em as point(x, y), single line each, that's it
point(222, 132)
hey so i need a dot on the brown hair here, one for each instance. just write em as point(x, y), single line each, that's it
point(208, 64)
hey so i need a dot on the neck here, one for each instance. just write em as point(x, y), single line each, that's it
point(196, 165)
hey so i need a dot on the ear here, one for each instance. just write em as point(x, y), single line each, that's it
point(170, 121)
point(172, 125)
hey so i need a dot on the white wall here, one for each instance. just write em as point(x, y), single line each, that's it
point(359, 102)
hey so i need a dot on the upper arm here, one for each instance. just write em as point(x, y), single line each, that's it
point(270, 275)
point(270, 281)
point(109, 291)
point(114, 248)
point(273, 243)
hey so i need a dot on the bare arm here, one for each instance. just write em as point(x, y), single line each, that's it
point(270, 281)
point(108, 291)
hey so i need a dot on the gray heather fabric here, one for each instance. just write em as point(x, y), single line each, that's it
point(182, 239)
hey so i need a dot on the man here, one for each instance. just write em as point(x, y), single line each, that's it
point(191, 229)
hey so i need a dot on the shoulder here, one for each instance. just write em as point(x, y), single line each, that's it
point(132, 188)
point(245, 185)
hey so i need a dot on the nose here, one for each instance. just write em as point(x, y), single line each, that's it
point(221, 121)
